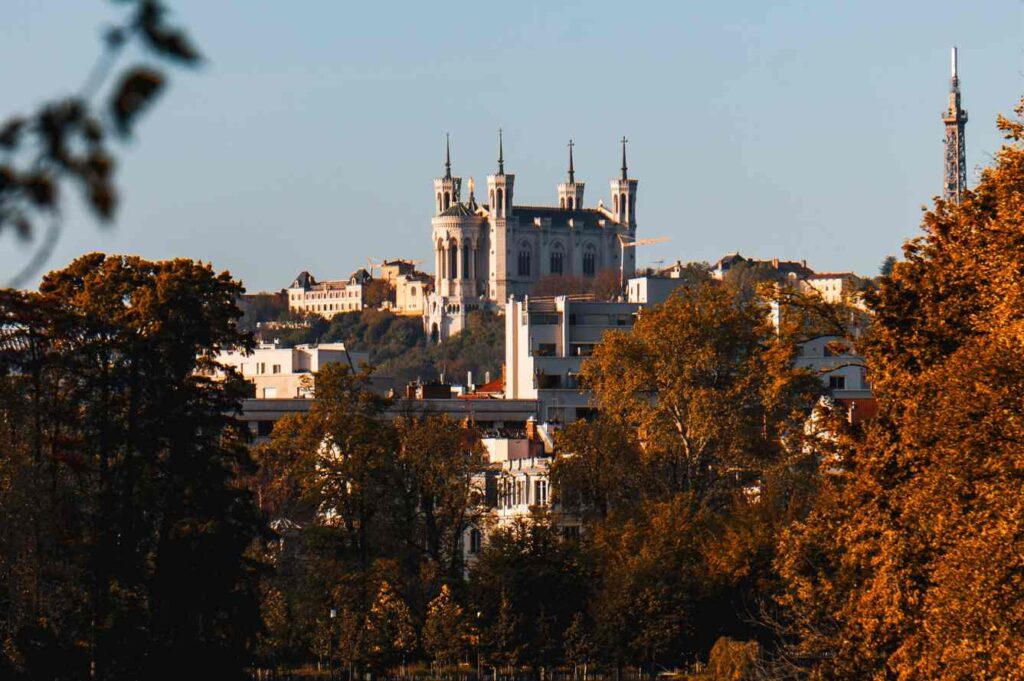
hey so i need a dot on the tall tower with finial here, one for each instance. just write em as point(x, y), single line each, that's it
point(500, 193)
point(624, 194)
point(955, 119)
point(570, 194)
point(446, 189)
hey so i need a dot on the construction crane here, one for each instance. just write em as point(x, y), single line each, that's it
point(629, 242)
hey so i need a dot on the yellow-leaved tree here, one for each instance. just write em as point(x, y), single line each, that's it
point(911, 565)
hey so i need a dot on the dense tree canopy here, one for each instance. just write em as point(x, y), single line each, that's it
point(124, 523)
point(909, 566)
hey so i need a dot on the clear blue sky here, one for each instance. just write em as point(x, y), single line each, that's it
point(309, 140)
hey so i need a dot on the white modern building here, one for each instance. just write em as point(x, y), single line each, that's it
point(546, 341)
point(288, 372)
point(839, 368)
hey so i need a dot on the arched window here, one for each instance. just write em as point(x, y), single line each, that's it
point(492, 198)
point(524, 259)
point(439, 209)
point(500, 205)
point(589, 260)
point(447, 200)
point(615, 202)
point(453, 261)
point(570, 201)
point(561, 202)
point(622, 203)
point(557, 257)
point(465, 262)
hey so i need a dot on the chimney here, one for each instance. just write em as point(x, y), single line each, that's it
point(531, 429)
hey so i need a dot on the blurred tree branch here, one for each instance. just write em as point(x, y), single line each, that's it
point(66, 142)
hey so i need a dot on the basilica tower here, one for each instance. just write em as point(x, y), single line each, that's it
point(570, 194)
point(624, 195)
point(446, 189)
point(500, 192)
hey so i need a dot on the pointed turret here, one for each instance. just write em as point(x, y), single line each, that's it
point(447, 188)
point(624, 194)
point(570, 194)
point(625, 173)
point(501, 154)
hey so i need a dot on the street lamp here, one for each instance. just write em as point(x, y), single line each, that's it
point(479, 669)
point(330, 644)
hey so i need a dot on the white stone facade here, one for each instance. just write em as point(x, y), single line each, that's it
point(486, 252)
point(327, 298)
point(546, 341)
point(280, 372)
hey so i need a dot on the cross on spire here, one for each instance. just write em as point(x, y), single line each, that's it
point(624, 142)
point(572, 172)
point(501, 155)
point(447, 157)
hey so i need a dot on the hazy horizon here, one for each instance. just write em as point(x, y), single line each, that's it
point(309, 139)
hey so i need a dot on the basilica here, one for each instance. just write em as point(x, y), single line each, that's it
point(486, 252)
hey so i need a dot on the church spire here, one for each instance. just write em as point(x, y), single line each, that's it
point(572, 172)
point(447, 157)
point(501, 155)
point(624, 173)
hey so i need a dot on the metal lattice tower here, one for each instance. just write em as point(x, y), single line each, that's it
point(955, 118)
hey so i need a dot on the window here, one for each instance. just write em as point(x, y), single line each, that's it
point(269, 393)
point(276, 368)
point(264, 428)
point(474, 541)
point(571, 532)
point(582, 349)
point(557, 257)
point(589, 261)
point(837, 382)
point(540, 492)
point(524, 260)
point(519, 492)
point(545, 350)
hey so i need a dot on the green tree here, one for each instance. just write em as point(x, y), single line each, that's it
point(527, 575)
point(887, 265)
point(139, 447)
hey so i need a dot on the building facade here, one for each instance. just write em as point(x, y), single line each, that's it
point(489, 250)
point(546, 341)
point(328, 298)
point(288, 372)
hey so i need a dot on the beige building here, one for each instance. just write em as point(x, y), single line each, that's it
point(327, 298)
point(833, 287)
point(411, 291)
point(287, 372)
point(486, 252)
